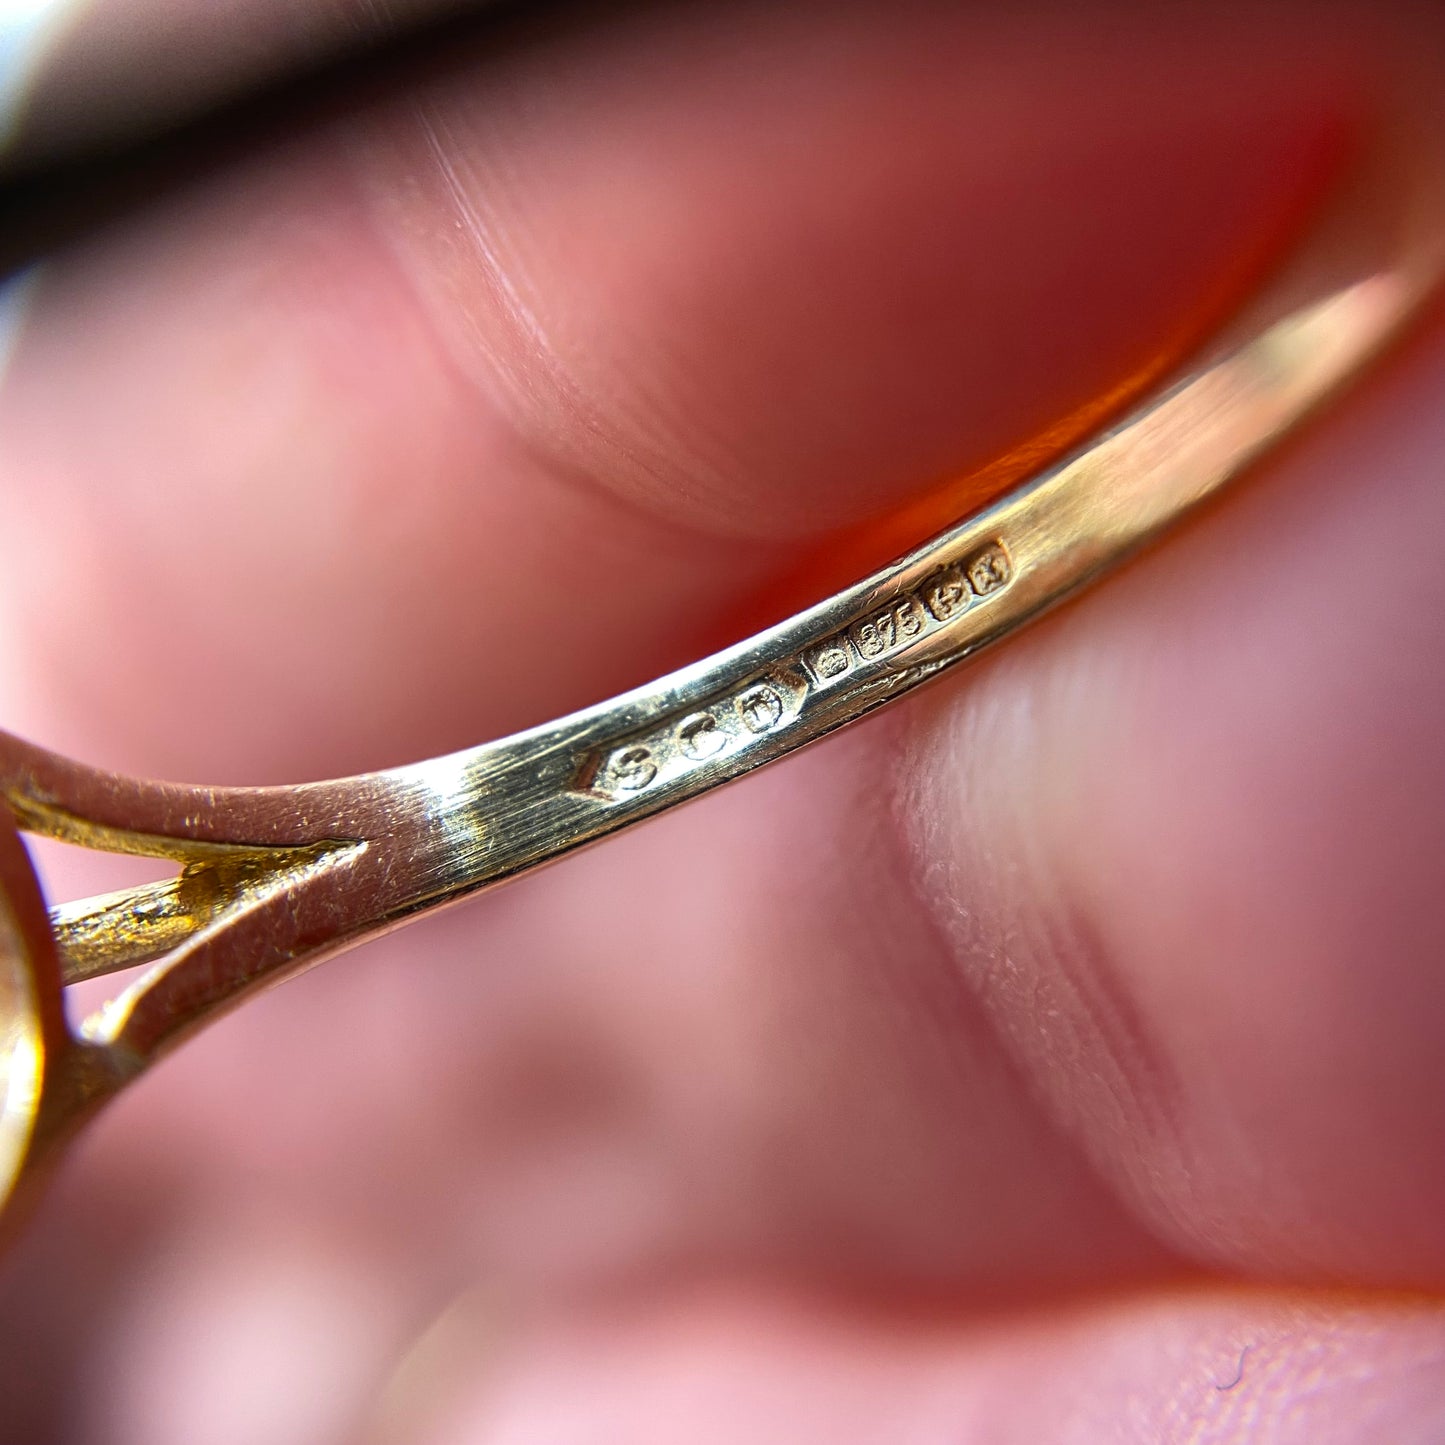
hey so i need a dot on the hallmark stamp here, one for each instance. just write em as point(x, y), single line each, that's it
point(728, 729)
point(829, 660)
point(631, 769)
point(699, 736)
point(760, 708)
point(884, 631)
point(947, 593)
point(730, 724)
point(989, 570)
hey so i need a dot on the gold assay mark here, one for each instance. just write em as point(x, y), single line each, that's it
point(941, 599)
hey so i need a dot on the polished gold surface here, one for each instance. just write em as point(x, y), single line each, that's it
point(273, 880)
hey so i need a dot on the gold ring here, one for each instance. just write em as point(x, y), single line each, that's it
point(272, 880)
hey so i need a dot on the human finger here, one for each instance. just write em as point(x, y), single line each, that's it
point(489, 401)
point(1231, 1367)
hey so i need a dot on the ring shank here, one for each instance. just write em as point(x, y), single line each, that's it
point(275, 880)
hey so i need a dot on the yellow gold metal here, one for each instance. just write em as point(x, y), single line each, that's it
point(273, 880)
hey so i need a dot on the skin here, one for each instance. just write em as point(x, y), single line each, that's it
point(1053, 1058)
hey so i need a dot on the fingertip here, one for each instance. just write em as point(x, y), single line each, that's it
point(771, 288)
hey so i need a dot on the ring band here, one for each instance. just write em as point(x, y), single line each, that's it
point(272, 880)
